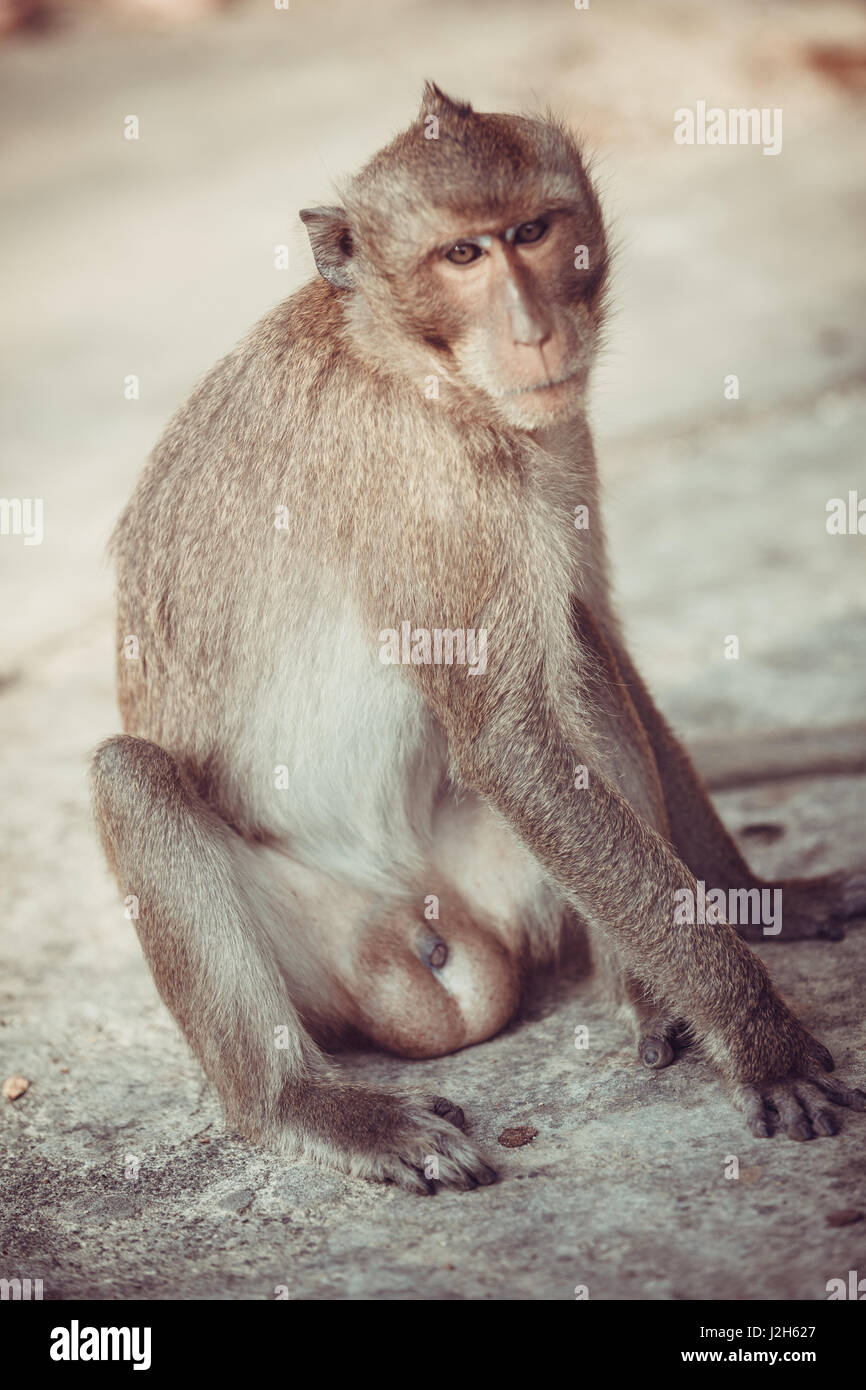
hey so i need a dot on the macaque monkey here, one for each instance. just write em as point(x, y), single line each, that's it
point(384, 742)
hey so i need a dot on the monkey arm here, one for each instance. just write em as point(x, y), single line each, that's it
point(518, 746)
point(623, 877)
point(516, 733)
point(618, 872)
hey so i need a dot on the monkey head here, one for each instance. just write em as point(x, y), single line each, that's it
point(473, 246)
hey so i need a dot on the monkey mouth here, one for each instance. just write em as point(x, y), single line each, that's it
point(543, 385)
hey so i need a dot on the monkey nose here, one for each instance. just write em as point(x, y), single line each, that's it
point(527, 330)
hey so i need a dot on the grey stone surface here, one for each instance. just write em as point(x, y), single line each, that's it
point(116, 1178)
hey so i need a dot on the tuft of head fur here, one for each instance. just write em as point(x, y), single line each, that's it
point(478, 165)
point(436, 102)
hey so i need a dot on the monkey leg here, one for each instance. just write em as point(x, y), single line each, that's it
point(813, 907)
point(200, 922)
point(430, 988)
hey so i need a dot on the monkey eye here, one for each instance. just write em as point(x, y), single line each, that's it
point(531, 231)
point(464, 253)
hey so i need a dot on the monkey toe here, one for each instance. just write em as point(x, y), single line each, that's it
point(759, 1124)
point(411, 1179)
point(447, 1111)
point(799, 1129)
point(658, 1046)
point(824, 1122)
point(656, 1051)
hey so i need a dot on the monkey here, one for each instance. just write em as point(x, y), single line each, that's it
point(333, 844)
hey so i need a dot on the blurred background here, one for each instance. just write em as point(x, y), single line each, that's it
point(151, 257)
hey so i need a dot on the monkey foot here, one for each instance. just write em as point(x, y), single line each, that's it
point(448, 1111)
point(815, 908)
point(427, 1150)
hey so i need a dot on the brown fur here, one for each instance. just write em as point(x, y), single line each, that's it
point(300, 908)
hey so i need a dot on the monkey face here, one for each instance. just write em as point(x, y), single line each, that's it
point(476, 241)
point(516, 306)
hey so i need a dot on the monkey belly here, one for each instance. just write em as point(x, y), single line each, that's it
point(429, 988)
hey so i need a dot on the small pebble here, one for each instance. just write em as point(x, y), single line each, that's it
point(15, 1086)
point(517, 1137)
point(847, 1216)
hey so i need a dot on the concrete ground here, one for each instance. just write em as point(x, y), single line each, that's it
point(151, 258)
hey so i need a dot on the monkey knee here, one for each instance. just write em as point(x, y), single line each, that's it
point(141, 802)
point(123, 757)
point(127, 764)
point(109, 760)
point(437, 995)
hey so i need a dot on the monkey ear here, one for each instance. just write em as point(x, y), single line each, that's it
point(331, 240)
point(435, 102)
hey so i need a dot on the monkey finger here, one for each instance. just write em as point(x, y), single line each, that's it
point(792, 1116)
point(822, 1118)
point(749, 1101)
point(852, 1098)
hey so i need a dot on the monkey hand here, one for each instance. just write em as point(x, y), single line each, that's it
point(797, 1102)
point(814, 907)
